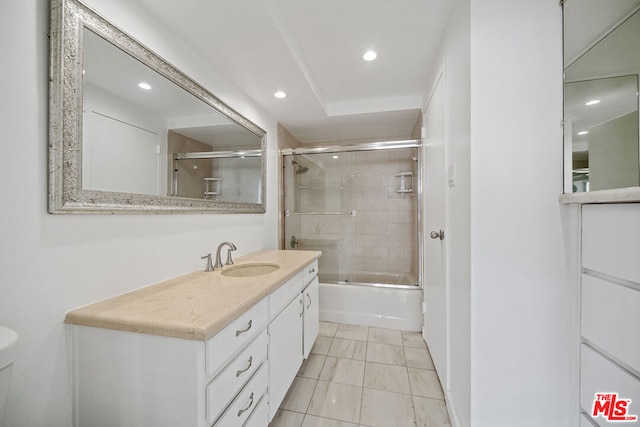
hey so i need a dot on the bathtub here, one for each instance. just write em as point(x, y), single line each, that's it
point(383, 300)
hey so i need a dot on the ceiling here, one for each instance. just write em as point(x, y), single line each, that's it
point(312, 50)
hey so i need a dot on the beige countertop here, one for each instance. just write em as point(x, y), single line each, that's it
point(195, 306)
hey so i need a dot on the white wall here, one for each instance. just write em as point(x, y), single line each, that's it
point(50, 264)
point(522, 241)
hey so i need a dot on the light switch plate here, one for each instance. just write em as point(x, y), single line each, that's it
point(452, 175)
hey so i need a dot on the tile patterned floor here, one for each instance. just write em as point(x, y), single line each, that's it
point(361, 376)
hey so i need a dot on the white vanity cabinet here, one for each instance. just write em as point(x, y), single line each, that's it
point(292, 330)
point(125, 379)
point(202, 350)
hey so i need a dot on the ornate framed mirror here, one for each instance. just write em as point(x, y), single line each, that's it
point(130, 133)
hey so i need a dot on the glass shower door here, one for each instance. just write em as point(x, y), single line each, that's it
point(318, 210)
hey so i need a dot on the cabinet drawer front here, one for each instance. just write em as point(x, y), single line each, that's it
point(260, 415)
point(285, 293)
point(230, 340)
point(238, 412)
point(600, 375)
point(611, 319)
point(225, 386)
point(611, 239)
point(309, 272)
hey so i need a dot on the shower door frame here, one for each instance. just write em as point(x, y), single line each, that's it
point(368, 146)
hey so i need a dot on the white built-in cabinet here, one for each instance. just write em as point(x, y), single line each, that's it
point(237, 378)
point(292, 330)
point(610, 307)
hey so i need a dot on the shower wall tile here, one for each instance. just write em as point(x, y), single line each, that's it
point(395, 205)
point(371, 252)
point(401, 265)
point(370, 204)
point(403, 217)
point(398, 229)
point(371, 229)
point(370, 264)
point(367, 240)
point(378, 217)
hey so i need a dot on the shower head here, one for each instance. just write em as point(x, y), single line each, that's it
point(301, 169)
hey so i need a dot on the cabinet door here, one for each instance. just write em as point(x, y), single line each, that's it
point(311, 316)
point(285, 357)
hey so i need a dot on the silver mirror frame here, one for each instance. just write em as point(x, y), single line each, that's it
point(66, 195)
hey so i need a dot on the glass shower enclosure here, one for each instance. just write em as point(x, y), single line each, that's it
point(359, 206)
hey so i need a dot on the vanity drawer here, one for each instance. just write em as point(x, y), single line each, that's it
point(310, 272)
point(240, 409)
point(611, 319)
point(228, 341)
point(610, 239)
point(600, 375)
point(260, 415)
point(222, 389)
point(285, 293)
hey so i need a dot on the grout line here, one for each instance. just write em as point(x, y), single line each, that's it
point(316, 385)
point(366, 351)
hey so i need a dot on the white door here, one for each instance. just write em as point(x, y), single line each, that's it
point(435, 296)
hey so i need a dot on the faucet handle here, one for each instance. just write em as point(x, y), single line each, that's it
point(209, 263)
point(229, 260)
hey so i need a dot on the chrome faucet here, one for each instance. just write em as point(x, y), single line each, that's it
point(218, 263)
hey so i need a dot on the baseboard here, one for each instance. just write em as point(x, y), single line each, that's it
point(451, 410)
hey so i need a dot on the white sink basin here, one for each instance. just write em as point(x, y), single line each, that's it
point(250, 270)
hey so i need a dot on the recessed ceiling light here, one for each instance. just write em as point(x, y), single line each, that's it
point(280, 94)
point(369, 55)
point(145, 86)
point(584, 132)
point(335, 157)
point(592, 102)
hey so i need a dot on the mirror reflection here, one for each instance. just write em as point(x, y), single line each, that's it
point(601, 111)
point(144, 134)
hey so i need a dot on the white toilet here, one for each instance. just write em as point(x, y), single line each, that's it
point(8, 351)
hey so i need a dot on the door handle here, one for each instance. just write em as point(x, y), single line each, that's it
point(437, 235)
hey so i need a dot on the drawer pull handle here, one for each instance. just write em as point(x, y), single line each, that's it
point(241, 371)
point(313, 270)
point(309, 305)
point(242, 411)
point(244, 330)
